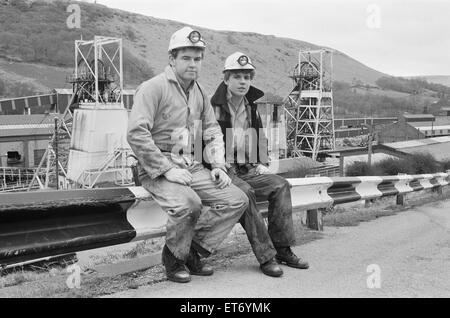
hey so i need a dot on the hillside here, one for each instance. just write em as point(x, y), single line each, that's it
point(34, 35)
point(438, 79)
point(37, 53)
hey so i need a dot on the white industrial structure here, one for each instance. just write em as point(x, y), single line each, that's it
point(89, 145)
point(309, 106)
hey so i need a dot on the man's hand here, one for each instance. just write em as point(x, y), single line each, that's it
point(221, 178)
point(261, 169)
point(181, 176)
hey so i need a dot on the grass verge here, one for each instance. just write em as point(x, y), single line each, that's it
point(52, 282)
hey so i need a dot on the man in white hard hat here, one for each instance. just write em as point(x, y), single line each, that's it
point(235, 109)
point(171, 115)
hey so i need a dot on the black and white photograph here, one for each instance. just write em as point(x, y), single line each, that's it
point(224, 156)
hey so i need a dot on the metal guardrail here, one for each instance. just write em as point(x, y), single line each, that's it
point(46, 223)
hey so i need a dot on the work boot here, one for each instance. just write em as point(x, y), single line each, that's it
point(175, 269)
point(271, 268)
point(286, 256)
point(195, 266)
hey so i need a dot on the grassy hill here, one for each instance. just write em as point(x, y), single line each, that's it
point(37, 53)
point(35, 32)
point(438, 79)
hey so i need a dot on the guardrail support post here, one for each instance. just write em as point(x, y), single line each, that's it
point(438, 190)
point(314, 219)
point(401, 199)
point(368, 202)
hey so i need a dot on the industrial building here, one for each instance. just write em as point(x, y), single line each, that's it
point(414, 126)
point(24, 139)
point(54, 102)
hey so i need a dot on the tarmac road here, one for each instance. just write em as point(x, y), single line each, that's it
point(410, 251)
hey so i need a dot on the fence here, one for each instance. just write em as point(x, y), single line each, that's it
point(46, 223)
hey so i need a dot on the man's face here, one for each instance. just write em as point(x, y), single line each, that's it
point(187, 64)
point(239, 83)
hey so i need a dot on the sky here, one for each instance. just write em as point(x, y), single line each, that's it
point(397, 37)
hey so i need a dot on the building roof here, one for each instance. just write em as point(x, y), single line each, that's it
point(27, 125)
point(441, 123)
point(35, 119)
point(63, 91)
point(400, 145)
point(438, 147)
point(418, 116)
point(25, 132)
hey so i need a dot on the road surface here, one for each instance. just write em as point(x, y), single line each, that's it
point(404, 255)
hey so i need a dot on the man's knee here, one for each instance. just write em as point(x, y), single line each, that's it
point(194, 205)
point(190, 206)
point(280, 183)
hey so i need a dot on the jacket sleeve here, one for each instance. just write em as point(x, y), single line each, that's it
point(140, 124)
point(212, 137)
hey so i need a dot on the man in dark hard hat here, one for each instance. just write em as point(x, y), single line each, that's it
point(247, 152)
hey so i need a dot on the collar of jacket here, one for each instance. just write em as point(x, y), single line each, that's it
point(170, 74)
point(220, 96)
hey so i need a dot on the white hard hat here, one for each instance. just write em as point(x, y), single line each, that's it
point(186, 37)
point(238, 61)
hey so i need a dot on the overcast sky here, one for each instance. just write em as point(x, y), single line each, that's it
point(398, 37)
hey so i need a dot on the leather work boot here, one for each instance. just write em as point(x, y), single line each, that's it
point(195, 266)
point(175, 269)
point(271, 268)
point(286, 256)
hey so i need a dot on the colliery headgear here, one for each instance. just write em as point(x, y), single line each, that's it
point(238, 61)
point(186, 37)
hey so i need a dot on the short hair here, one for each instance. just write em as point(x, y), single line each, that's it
point(227, 73)
point(174, 52)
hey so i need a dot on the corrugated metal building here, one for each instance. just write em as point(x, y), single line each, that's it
point(56, 101)
point(414, 126)
point(438, 147)
point(24, 139)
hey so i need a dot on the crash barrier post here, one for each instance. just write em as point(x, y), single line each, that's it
point(403, 188)
point(314, 217)
point(41, 224)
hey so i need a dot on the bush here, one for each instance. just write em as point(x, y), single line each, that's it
point(415, 164)
point(130, 35)
point(424, 163)
point(359, 168)
point(391, 167)
point(445, 165)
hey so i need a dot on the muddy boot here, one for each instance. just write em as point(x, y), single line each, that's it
point(175, 269)
point(195, 266)
point(286, 256)
point(271, 268)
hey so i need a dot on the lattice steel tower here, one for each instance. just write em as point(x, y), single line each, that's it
point(309, 106)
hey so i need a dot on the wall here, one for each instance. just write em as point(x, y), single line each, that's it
point(32, 146)
point(10, 146)
point(25, 145)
